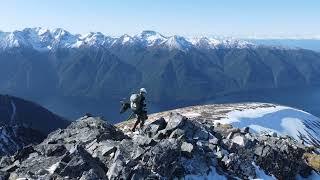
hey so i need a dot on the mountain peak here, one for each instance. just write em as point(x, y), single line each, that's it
point(36, 30)
point(178, 42)
point(42, 31)
point(205, 42)
point(125, 39)
point(60, 32)
point(150, 38)
point(96, 39)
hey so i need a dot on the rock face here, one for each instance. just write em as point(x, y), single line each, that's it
point(169, 148)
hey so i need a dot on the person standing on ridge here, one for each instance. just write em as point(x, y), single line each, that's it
point(138, 106)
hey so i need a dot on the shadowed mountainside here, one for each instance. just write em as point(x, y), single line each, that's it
point(71, 74)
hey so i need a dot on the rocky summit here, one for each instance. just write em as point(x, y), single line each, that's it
point(166, 148)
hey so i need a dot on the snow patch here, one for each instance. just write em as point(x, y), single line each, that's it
point(292, 125)
point(239, 140)
point(126, 39)
point(42, 31)
point(280, 119)
point(235, 116)
point(77, 44)
point(52, 168)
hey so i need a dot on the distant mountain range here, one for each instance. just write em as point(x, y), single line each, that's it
point(73, 74)
point(44, 39)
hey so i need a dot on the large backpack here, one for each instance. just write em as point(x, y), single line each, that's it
point(135, 102)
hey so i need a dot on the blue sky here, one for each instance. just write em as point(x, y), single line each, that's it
point(185, 17)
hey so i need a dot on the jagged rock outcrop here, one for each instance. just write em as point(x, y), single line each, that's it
point(175, 147)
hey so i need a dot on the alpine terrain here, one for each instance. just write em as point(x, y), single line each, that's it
point(83, 72)
point(230, 141)
point(159, 90)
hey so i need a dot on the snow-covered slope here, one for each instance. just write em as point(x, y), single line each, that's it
point(150, 38)
point(178, 42)
point(283, 120)
point(264, 121)
point(43, 39)
point(259, 117)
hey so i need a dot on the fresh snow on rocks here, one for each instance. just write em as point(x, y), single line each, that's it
point(150, 38)
point(262, 118)
point(282, 120)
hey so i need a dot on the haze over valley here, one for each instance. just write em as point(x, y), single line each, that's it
point(72, 74)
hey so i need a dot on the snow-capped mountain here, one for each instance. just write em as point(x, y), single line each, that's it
point(94, 39)
point(209, 43)
point(46, 39)
point(173, 68)
point(38, 39)
point(178, 42)
point(205, 42)
point(150, 38)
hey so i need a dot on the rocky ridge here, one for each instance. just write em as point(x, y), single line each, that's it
point(261, 118)
point(174, 147)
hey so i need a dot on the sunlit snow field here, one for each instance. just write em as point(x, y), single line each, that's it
point(280, 119)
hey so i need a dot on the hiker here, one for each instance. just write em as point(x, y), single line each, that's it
point(138, 106)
